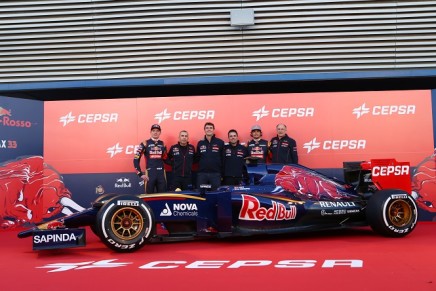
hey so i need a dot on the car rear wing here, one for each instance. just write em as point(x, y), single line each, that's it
point(378, 174)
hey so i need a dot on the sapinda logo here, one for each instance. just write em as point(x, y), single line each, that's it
point(285, 112)
point(384, 110)
point(89, 118)
point(118, 149)
point(338, 144)
point(6, 120)
point(184, 115)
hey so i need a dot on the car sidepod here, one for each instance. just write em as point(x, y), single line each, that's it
point(262, 213)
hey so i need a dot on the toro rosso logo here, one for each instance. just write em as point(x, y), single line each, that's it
point(398, 170)
point(252, 210)
point(6, 120)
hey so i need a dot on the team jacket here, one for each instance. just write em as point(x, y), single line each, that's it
point(181, 159)
point(155, 153)
point(284, 150)
point(234, 160)
point(258, 149)
point(210, 155)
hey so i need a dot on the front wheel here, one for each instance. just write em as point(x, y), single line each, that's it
point(125, 223)
point(392, 213)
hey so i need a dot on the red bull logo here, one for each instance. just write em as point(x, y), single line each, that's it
point(252, 210)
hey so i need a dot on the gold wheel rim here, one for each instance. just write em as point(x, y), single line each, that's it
point(400, 213)
point(127, 223)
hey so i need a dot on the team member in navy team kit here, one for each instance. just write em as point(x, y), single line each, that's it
point(234, 160)
point(155, 153)
point(257, 147)
point(181, 157)
point(283, 149)
point(209, 153)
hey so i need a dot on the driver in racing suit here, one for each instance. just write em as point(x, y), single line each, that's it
point(155, 153)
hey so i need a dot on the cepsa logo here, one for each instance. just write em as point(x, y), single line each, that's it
point(163, 265)
point(384, 110)
point(285, 112)
point(6, 120)
point(88, 118)
point(339, 144)
point(118, 149)
point(398, 170)
point(185, 115)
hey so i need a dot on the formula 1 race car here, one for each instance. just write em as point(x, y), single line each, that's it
point(278, 199)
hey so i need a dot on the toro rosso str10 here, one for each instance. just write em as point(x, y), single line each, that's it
point(278, 199)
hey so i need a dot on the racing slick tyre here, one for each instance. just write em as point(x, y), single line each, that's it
point(97, 203)
point(392, 213)
point(125, 223)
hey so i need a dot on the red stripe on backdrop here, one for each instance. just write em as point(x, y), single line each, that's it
point(99, 136)
point(319, 261)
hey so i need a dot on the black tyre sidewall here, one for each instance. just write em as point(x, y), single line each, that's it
point(104, 229)
point(377, 213)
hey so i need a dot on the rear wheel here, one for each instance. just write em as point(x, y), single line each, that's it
point(392, 213)
point(125, 223)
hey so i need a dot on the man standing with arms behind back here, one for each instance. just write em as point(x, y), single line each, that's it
point(234, 160)
point(209, 151)
point(155, 153)
point(283, 149)
point(181, 158)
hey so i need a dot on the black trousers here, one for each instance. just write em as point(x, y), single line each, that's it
point(212, 179)
point(232, 180)
point(157, 182)
point(181, 183)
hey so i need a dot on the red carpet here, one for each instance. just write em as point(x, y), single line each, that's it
point(341, 260)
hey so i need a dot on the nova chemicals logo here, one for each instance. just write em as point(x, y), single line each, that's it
point(285, 112)
point(6, 120)
point(340, 144)
point(184, 115)
point(180, 209)
point(88, 118)
point(384, 110)
point(166, 211)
